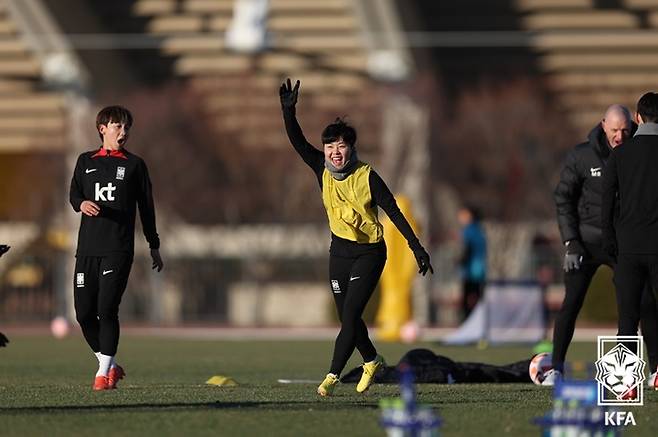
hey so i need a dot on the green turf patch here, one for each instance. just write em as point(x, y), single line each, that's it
point(45, 389)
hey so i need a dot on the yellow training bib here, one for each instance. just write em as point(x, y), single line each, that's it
point(349, 206)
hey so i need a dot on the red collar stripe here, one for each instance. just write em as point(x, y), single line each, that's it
point(106, 152)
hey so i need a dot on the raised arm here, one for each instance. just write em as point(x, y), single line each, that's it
point(313, 157)
point(385, 200)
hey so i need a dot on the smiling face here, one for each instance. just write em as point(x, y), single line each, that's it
point(337, 153)
point(115, 134)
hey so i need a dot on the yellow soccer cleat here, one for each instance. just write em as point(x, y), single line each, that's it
point(328, 385)
point(369, 371)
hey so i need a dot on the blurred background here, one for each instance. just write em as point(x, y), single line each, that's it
point(470, 102)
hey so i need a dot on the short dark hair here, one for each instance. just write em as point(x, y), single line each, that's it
point(337, 130)
point(647, 107)
point(113, 114)
point(476, 213)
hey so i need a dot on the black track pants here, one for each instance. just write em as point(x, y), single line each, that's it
point(471, 294)
point(99, 284)
point(632, 273)
point(353, 280)
point(576, 284)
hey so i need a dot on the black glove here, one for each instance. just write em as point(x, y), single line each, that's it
point(3, 249)
point(288, 94)
point(3, 340)
point(574, 256)
point(423, 260)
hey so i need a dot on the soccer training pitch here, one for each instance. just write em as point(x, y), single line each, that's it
point(45, 389)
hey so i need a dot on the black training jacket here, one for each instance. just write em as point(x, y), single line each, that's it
point(117, 182)
point(631, 180)
point(578, 194)
point(381, 195)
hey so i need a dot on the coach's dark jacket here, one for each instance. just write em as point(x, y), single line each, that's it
point(632, 173)
point(578, 194)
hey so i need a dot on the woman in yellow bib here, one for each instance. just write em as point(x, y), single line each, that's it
point(351, 193)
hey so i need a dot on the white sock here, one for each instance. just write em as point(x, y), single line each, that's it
point(98, 356)
point(104, 362)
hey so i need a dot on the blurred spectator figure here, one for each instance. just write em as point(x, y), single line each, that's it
point(544, 273)
point(542, 266)
point(3, 340)
point(473, 261)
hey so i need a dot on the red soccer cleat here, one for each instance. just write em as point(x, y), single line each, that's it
point(101, 383)
point(115, 374)
point(630, 394)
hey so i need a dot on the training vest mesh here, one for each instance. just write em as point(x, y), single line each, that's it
point(349, 206)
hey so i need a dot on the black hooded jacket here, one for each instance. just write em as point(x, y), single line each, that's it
point(578, 195)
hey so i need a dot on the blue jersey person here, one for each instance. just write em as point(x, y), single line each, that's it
point(473, 261)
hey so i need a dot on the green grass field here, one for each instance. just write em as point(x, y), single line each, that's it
point(45, 389)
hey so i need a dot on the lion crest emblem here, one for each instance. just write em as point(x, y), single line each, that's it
point(620, 371)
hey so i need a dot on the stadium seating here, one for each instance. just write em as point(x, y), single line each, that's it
point(594, 54)
point(316, 42)
point(31, 116)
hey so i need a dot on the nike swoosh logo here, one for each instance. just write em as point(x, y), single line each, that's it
point(594, 169)
point(354, 278)
point(105, 272)
point(90, 170)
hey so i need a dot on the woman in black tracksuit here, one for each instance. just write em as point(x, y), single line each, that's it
point(351, 192)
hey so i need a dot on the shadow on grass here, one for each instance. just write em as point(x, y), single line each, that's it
point(217, 405)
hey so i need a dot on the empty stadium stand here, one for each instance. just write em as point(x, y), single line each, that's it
point(32, 113)
point(319, 43)
point(585, 54)
point(589, 52)
point(594, 53)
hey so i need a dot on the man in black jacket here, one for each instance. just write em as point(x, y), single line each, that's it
point(632, 237)
point(578, 200)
